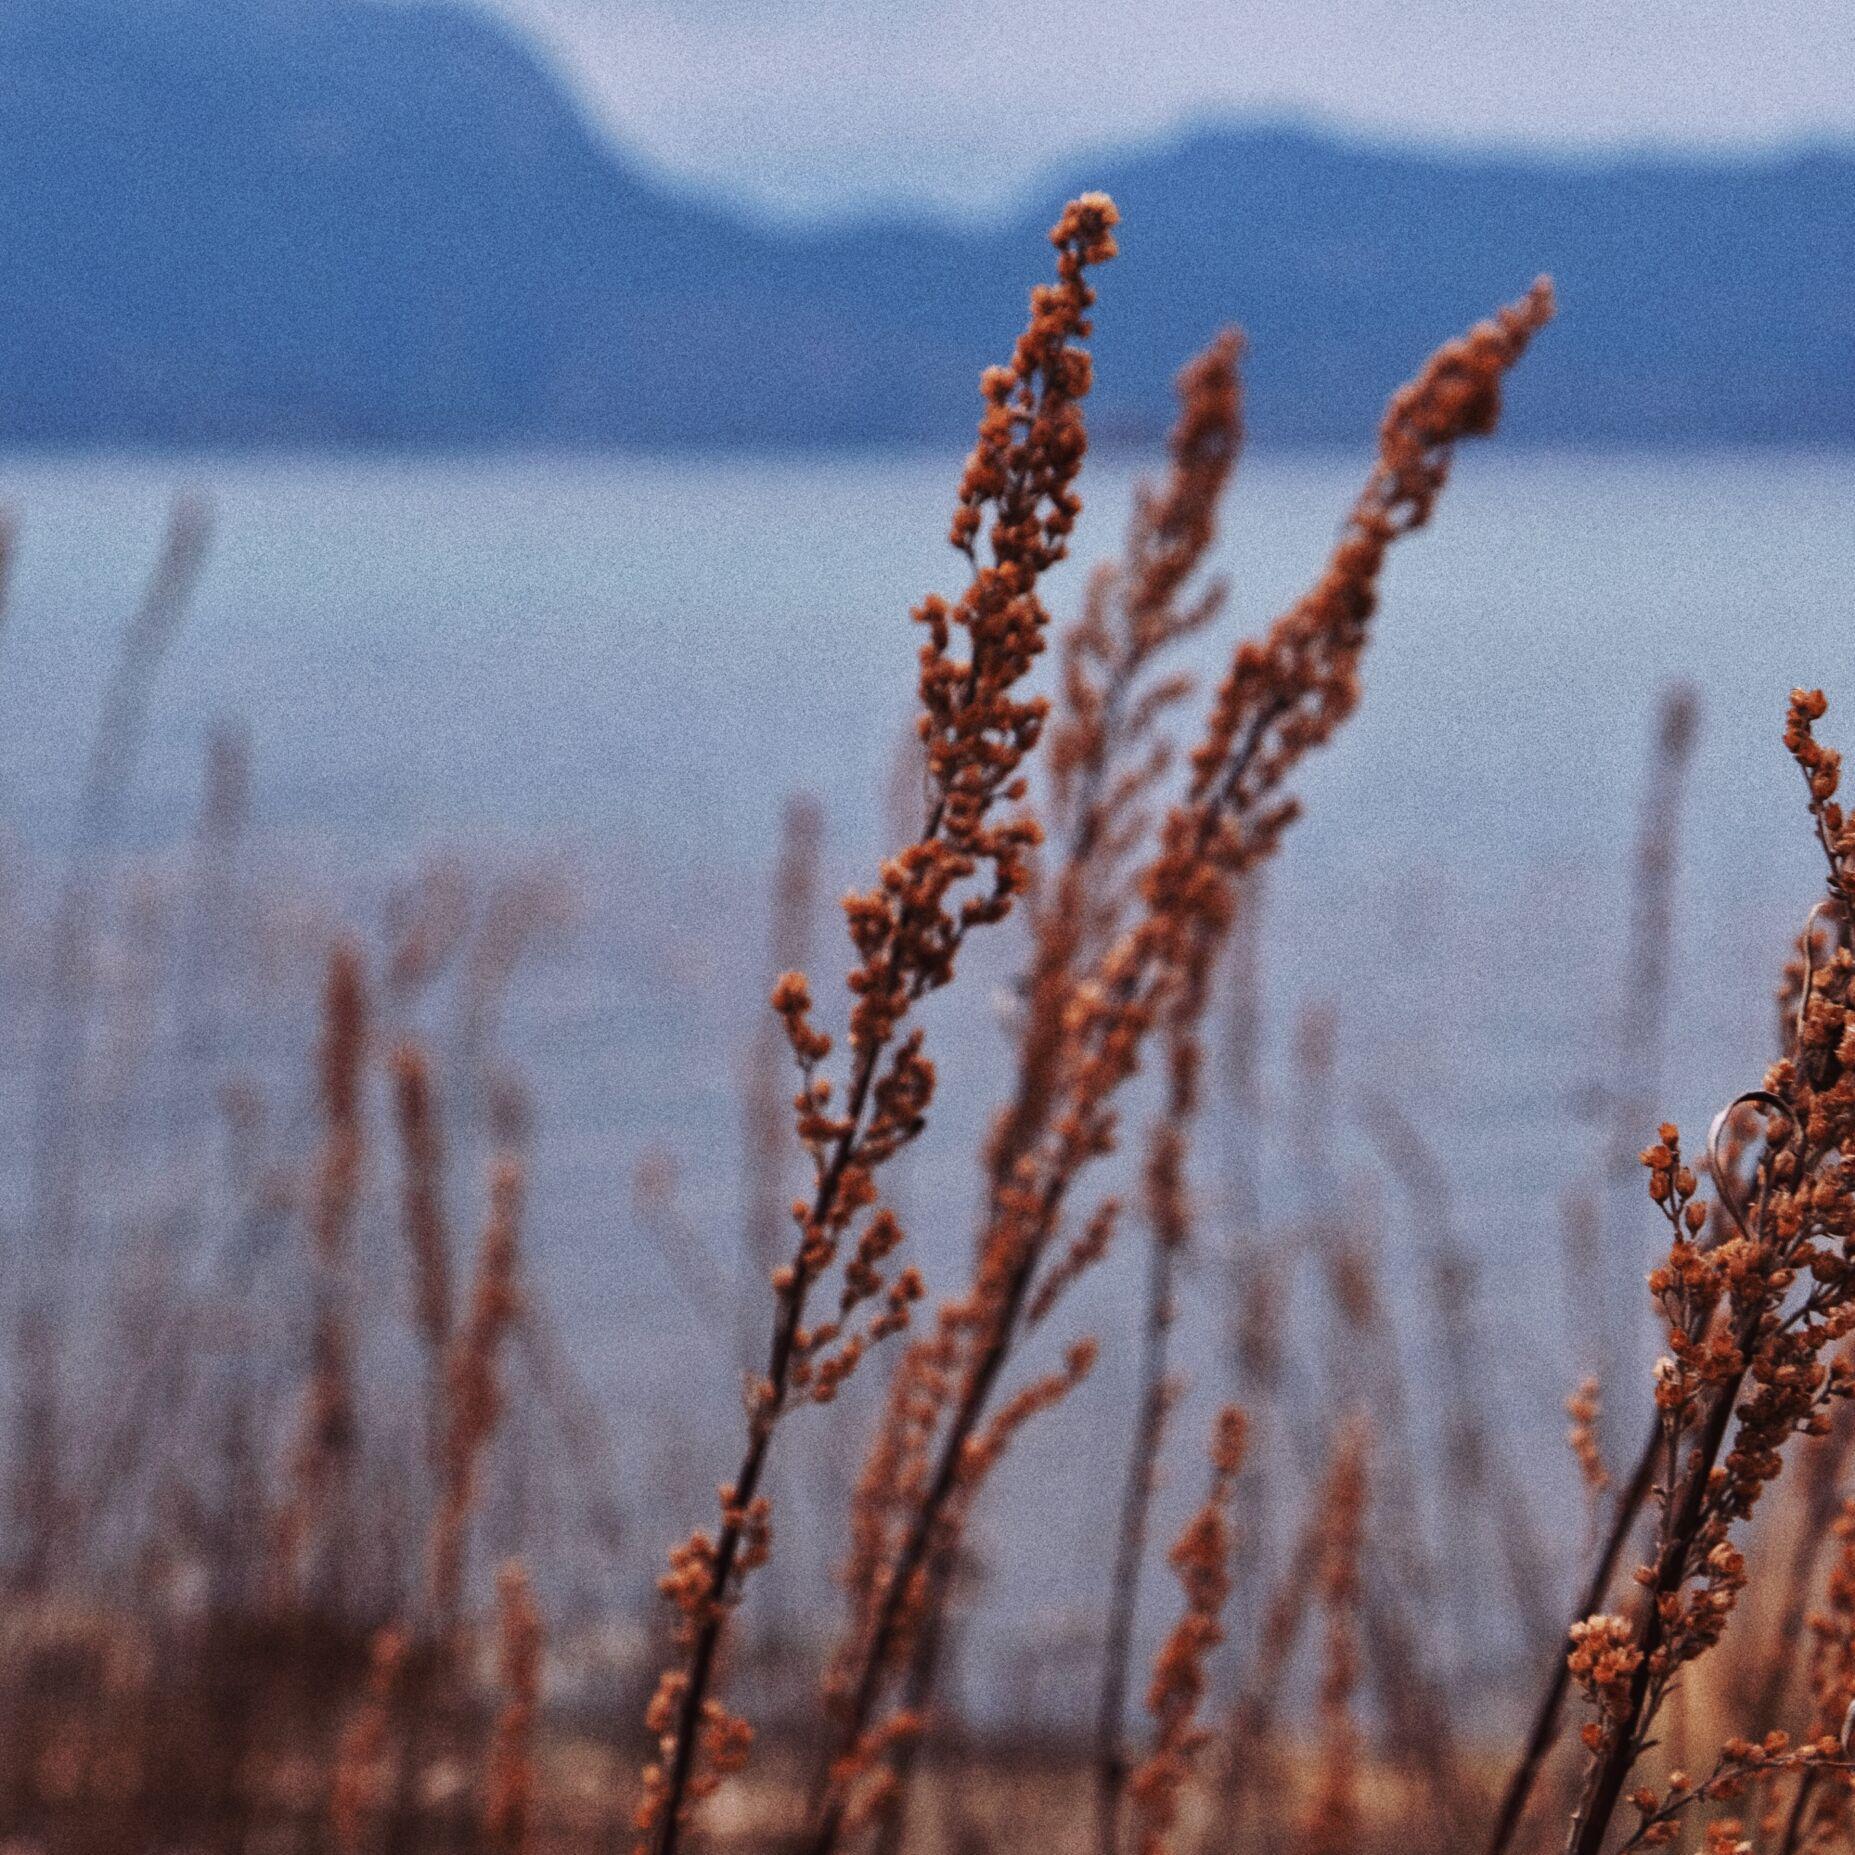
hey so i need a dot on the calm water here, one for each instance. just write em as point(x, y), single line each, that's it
point(623, 669)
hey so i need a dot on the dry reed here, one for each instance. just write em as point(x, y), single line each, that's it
point(1085, 1030)
point(342, 1698)
point(320, 1498)
point(474, 1395)
point(510, 1783)
point(963, 872)
point(1201, 1558)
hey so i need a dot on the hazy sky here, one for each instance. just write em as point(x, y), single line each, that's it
point(822, 102)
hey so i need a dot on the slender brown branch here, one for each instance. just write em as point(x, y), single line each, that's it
point(1283, 697)
point(908, 932)
point(1111, 1764)
point(1544, 1730)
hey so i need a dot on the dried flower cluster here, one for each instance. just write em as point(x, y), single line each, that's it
point(422, 1214)
point(1086, 1024)
point(473, 1387)
point(1825, 1807)
point(1743, 1765)
point(1106, 752)
point(325, 1445)
point(509, 1792)
point(1584, 1408)
point(1333, 1822)
point(355, 1790)
point(1200, 1558)
point(1755, 1314)
point(1017, 505)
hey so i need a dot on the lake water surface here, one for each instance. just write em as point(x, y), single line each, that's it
point(622, 669)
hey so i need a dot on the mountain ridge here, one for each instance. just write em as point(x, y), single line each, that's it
point(332, 223)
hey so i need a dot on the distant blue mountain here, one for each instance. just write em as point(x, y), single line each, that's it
point(324, 222)
point(1702, 302)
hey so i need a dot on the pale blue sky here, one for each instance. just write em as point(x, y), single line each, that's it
point(820, 103)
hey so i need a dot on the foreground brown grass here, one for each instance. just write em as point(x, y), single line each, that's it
point(249, 1602)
